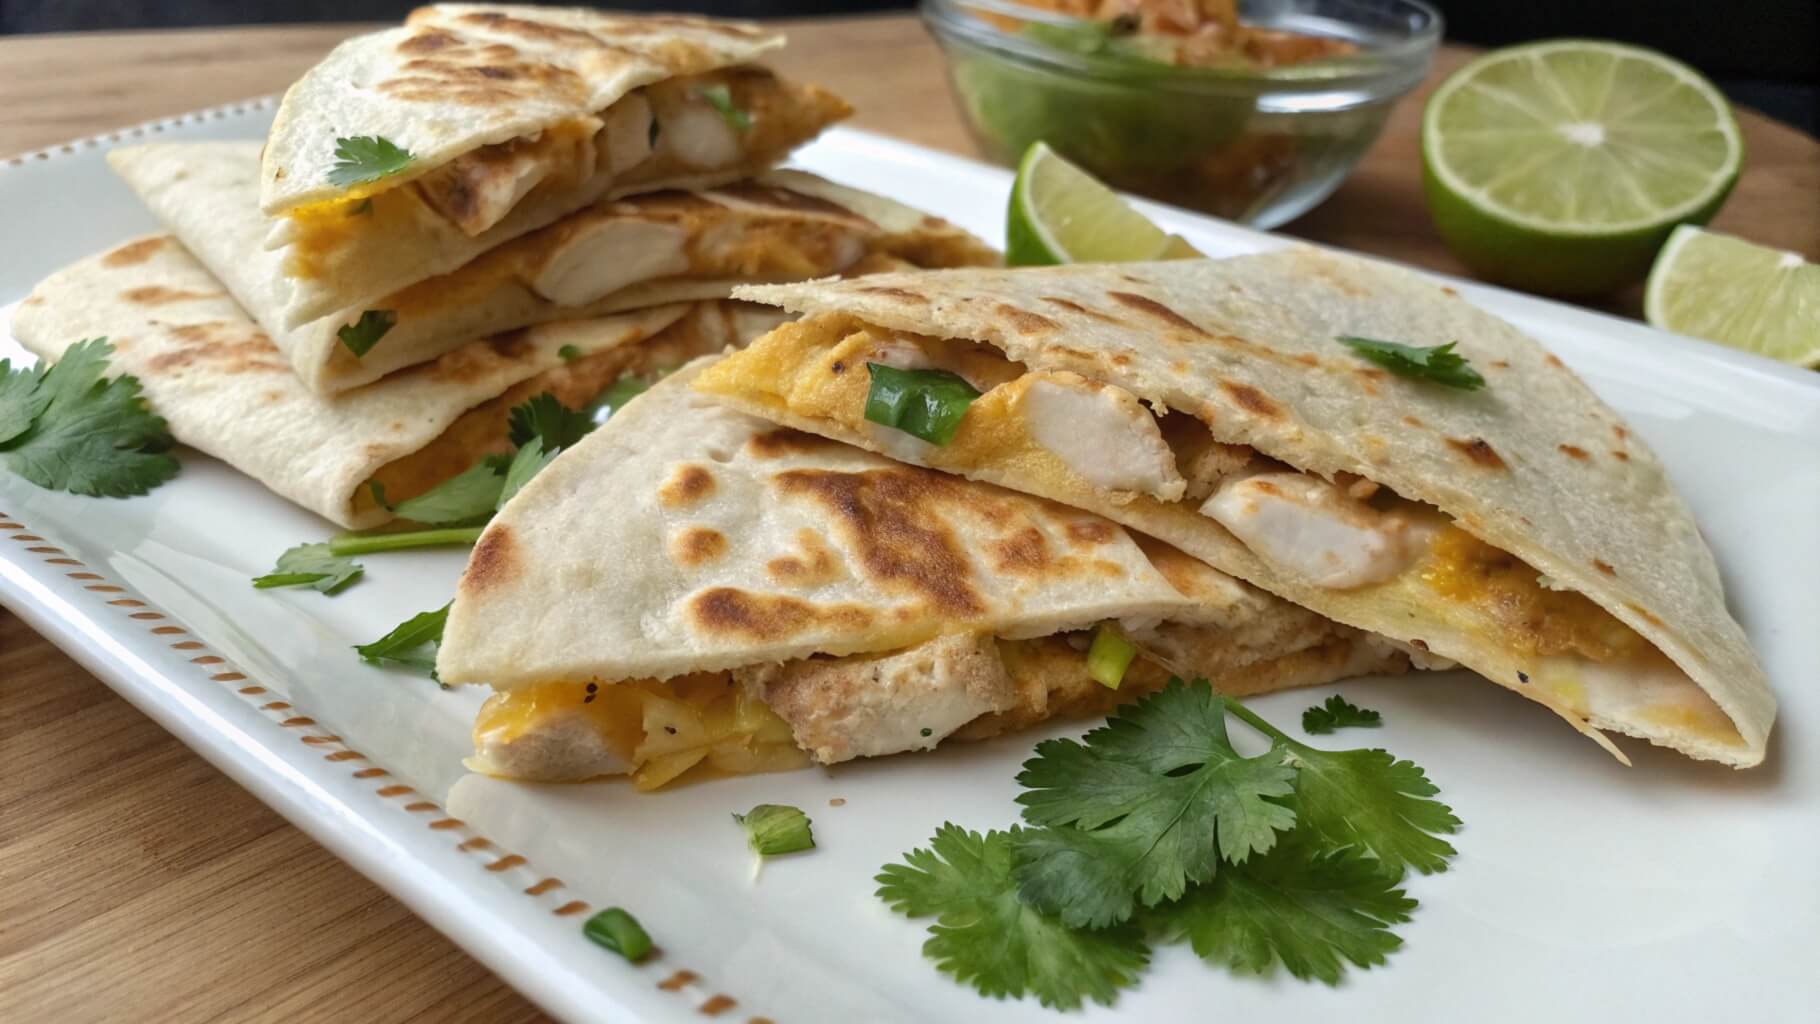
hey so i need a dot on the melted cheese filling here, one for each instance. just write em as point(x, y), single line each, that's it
point(652, 731)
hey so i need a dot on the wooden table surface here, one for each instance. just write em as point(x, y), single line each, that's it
point(136, 882)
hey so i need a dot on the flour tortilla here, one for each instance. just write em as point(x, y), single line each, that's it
point(1535, 464)
point(457, 79)
point(784, 225)
point(684, 538)
point(227, 391)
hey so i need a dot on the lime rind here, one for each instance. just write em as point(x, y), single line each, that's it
point(1059, 213)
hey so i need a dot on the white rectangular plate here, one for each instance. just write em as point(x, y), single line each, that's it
point(1583, 891)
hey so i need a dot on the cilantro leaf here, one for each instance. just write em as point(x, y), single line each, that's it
point(1366, 798)
point(1437, 363)
point(314, 566)
point(469, 495)
point(1307, 907)
point(1146, 804)
point(1338, 713)
point(530, 461)
point(86, 435)
point(360, 336)
point(365, 158)
point(21, 399)
point(547, 419)
point(773, 829)
point(986, 937)
point(412, 644)
point(721, 98)
point(568, 353)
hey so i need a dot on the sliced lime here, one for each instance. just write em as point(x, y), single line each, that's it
point(1562, 166)
point(1061, 214)
point(1727, 290)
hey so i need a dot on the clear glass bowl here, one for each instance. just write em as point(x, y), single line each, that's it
point(1259, 146)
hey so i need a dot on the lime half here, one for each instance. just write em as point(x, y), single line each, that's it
point(1727, 290)
point(1061, 214)
point(1562, 166)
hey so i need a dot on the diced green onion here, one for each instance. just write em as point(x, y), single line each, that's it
point(923, 403)
point(1110, 655)
point(772, 829)
point(721, 98)
point(619, 932)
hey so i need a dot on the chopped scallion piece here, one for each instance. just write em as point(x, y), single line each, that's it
point(928, 404)
point(1110, 655)
point(620, 932)
point(772, 829)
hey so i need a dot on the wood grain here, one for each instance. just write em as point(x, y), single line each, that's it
point(136, 882)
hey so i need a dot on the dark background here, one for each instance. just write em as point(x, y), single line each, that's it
point(1763, 53)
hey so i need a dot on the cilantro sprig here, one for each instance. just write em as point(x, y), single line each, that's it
point(313, 566)
point(410, 645)
point(1154, 827)
point(68, 428)
point(985, 936)
point(1151, 802)
point(1338, 713)
point(367, 158)
point(360, 336)
point(1437, 363)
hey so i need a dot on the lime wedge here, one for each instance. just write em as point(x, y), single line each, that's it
point(1061, 214)
point(1561, 167)
point(1727, 290)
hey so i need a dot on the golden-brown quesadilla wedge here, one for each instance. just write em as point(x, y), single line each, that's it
point(226, 390)
point(408, 152)
point(1520, 529)
point(614, 256)
point(690, 585)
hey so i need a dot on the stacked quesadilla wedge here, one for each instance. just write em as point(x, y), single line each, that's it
point(753, 597)
point(408, 152)
point(1520, 529)
point(228, 391)
point(616, 255)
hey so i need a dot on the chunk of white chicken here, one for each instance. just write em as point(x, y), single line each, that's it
point(1314, 530)
point(1101, 432)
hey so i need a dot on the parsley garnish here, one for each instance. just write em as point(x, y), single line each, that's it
point(1437, 363)
point(1299, 904)
point(773, 829)
point(928, 404)
point(361, 335)
point(314, 566)
point(1296, 855)
point(365, 158)
point(1148, 803)
point(65, 428)
point(412, 644)
point(721, 98)
point(1338, 713)
point(985, 936)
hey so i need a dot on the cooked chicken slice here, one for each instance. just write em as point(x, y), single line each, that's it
point(842, 708)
